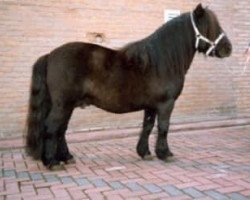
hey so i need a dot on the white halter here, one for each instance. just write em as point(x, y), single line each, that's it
point(199, 37)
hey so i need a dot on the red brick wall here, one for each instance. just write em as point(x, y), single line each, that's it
point(214, 88)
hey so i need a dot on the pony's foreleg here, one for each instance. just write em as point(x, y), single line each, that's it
point(55, 121)
point(164, 112)
point(148, 124)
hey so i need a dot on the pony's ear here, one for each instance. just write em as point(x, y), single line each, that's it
point(199, 10)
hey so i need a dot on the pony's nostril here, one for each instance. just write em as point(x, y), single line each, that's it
point(225, 50)
point(229, 49)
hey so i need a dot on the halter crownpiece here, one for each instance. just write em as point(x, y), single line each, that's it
point(199, 37)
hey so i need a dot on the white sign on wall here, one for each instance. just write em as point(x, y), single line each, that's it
point(170, 14)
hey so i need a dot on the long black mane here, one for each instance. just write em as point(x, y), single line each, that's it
point(170, 47)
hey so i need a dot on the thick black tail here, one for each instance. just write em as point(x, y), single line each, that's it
point(39, 107)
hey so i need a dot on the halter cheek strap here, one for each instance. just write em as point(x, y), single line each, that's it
point(199, 37)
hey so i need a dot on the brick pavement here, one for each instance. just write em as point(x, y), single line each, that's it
point(208, 164)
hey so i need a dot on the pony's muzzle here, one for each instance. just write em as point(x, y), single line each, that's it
point(225, 49)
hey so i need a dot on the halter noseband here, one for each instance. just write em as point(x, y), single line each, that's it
point(199, 37)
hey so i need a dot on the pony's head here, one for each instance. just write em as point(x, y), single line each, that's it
point(210, 37)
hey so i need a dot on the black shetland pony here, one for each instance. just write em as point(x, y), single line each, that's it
point(145, 75)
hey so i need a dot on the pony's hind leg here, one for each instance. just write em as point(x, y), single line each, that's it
point(63, 153)
point(148, 124)
point(57, 118)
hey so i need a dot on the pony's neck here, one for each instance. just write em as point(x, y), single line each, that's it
point(189, 47)
point(177, 42)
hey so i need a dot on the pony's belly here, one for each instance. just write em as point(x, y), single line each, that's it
point(110, 104)
point(118, 108)
point(110, 96)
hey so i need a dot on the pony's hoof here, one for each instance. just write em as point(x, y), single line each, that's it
point(148, 157)
point(170, 154)
point(56, 167)
point(70, 161)
point(66, 159)
point(163, 154)
point(169, 159)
